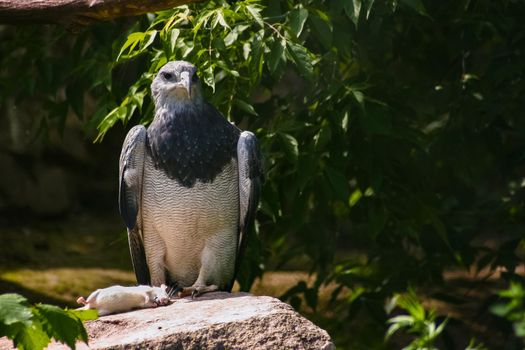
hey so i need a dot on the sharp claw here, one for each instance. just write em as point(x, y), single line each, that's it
point(176, 291)
point(195, 293)
point(184, 292)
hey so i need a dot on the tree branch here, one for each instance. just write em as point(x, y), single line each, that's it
point(78, 12)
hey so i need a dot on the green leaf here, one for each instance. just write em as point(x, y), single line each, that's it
point(222, 64)
point(230, 38)
point(255, 13)
point(118, 113)
point(369, 5)
point(150, 35)
point(31, 338)
point(132, 41)
point(201, 21)
point(403, 320)
point(301, 58)
point(14, 308)
point(245, 106)
point(359, 97)
point(257, 48)
point(519, 329)
point(137, 99)
point(187, 48)
point(338, 182)
point(296, 20)
point(345, 121)
point(246, 50)
point(218, 44)
point(416, 5)
point(209, 77)
point(174, 34)
point(271, 204)
point(501, 310)
point(291, 147)
point(58, 324)
point(353, 9)
point(394, 327)
point(219, 18)
point(439, 329)
point(83, 315)
point(323, 28)
point(355, 197)
point(411, 303)
point(323, 137)
point(276, 54)
point(515, 290)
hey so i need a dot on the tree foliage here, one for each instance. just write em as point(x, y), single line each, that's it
point(419, 322)
point(513, 308)
point(33, 327)
point(392, 130)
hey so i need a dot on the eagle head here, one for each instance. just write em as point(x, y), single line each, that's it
point(176, 85)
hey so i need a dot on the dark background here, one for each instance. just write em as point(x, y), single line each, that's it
point(394, 143)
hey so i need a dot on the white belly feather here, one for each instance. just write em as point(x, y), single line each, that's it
point(178, 222)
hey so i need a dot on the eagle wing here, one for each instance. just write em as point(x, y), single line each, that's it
point(131, 168)
point(250, 175)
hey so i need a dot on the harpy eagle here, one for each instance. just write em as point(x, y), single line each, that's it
point(189, 188)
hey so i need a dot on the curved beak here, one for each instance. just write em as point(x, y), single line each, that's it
point(182, 87)
point(185, 81)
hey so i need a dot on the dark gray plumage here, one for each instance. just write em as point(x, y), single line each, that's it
point(189, 188)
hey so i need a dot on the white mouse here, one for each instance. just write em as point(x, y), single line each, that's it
point(117, 299)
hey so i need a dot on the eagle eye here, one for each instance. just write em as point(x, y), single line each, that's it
point(167, 76)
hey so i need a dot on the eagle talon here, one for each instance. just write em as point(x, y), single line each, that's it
point(175, 291)
point(184, 292)
point(195, 293)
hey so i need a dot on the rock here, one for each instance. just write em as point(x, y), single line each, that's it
point(213, 321)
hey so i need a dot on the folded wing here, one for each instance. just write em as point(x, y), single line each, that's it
point(131, 172)
point(250, 176)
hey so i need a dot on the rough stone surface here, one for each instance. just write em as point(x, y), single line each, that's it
point(213, 321)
